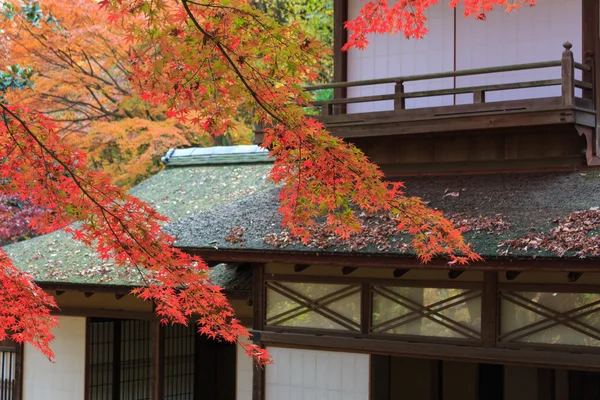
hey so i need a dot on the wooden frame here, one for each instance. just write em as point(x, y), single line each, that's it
point(14, 351)
point(487, 348)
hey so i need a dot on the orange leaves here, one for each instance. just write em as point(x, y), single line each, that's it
point(409, 17)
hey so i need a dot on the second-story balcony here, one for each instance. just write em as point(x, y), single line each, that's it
point(456, 103)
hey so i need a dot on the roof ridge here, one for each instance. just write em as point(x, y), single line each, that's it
point(240, 154)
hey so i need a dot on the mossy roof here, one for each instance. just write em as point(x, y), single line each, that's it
point(175, 193)
point(528, 202)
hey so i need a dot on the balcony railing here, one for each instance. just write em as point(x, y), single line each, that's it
point(334, 111)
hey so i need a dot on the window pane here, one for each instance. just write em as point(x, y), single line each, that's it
point(445, 312)
point(551, 318)
point(312, 305)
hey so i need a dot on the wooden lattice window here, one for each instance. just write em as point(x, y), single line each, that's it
point(10, 368)
point(314, 305)
point(179, 361)
point(418, 311)
point(120, 360)
point(550, 318)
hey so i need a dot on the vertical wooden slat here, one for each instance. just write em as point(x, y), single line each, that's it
point(489, 309)
point(340, 58)
point(258, 322)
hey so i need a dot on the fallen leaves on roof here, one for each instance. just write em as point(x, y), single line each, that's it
point(577, 233)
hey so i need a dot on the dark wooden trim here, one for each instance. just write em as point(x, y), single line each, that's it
point(436, 370)
point(536, 358)
point(549, 287)
point(340, 37)
point(489, 309)
point(348, 280)
point(380, 378)
point(158, 360)
point(104, 313)
point(390, 260)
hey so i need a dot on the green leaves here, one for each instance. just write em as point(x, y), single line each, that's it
point(15, 77)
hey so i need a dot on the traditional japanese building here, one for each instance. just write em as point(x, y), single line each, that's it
point(493, 123)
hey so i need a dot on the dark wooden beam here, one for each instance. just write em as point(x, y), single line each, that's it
point(512, 275)
point(455, 274)
point(60, 292)
point(523, 356)
point(88, 294)
point(119, 296)
point(300, 267)
point(348, 270)
point(574, 276)
point(392, 261)
point(398, 272)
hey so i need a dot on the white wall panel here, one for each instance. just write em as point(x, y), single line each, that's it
point(65, 378)
point(394, 55)
point(317, 375)
point(244, 374)
point(530, 34)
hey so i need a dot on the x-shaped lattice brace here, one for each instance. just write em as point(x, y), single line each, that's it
point(551, 318)
point(319, 306)
point(431, 311)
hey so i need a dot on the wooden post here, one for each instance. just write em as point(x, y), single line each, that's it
point(365, 309)
point(489, 309)
point(568, 76)
point(326, 109)
point(399, 102)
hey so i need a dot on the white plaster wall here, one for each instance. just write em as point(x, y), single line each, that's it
point(317, 375)
point(65, 378)
point(389, 56)
point(530, 34)
point(244, 374)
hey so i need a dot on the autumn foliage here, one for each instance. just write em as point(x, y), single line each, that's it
point(204, 62)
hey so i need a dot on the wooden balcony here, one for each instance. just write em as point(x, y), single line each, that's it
point(572, 109)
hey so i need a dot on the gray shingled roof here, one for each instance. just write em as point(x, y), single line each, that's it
point(175, 193)
point(528, 202)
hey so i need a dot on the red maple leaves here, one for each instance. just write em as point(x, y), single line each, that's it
point(409, 17)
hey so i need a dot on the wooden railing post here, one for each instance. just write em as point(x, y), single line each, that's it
point(326, 109)
point(568, 76)
point(479, 96)
point(399, 102)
